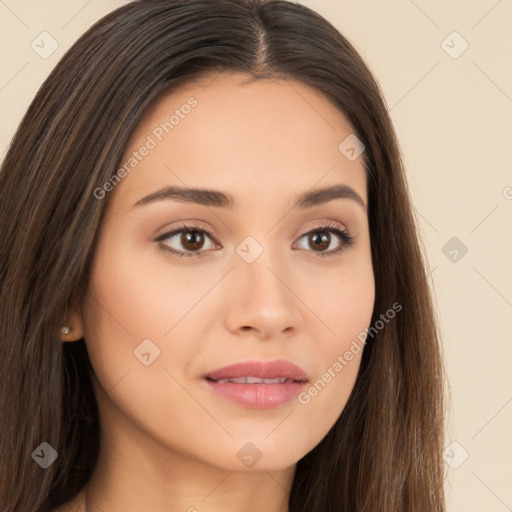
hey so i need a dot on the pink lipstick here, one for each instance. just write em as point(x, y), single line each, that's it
point(258, 384)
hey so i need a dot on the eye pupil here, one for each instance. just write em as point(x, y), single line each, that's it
point(323, 237)
point(190, 239)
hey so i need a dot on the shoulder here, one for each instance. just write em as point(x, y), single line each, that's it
point(76, 504)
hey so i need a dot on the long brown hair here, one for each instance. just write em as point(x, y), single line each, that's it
point(384, 452)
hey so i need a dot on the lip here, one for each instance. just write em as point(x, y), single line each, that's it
point(262, 369)
point(260, 395)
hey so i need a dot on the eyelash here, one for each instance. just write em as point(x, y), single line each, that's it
point(347, 239)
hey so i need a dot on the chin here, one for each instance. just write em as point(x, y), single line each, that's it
point(260, 454)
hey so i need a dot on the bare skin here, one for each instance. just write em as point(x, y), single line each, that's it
point(169, 443)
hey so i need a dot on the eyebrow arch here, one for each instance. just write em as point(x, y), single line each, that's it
point(221, 200)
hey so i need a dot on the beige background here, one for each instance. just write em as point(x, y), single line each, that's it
point(454, 120)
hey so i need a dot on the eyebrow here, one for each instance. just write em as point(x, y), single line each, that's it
point(219, 199)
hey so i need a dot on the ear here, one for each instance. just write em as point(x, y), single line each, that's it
point(73, 320)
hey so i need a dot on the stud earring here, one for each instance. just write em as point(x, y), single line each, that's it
point(65, 329)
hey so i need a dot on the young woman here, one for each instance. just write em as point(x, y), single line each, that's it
point(213, 295)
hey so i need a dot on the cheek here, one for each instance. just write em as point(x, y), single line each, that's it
point(134, 293)
point(127, 304)
point(342, 299)
point(127, 313)
point(345, 307)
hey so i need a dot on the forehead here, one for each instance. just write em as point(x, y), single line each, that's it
point(228, 131)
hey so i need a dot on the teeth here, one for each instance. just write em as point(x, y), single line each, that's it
point(254, 380)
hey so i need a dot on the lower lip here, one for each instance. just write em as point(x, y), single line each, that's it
point(258, 396)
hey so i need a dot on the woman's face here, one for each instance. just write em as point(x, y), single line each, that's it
point(258, 289)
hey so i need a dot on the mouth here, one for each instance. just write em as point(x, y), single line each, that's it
point(255, 380)
point(258, 384)
point(262, 370)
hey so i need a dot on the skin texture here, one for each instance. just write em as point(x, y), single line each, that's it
point(168, 442)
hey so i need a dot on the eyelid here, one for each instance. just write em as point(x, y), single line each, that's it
point(191, 225)
point(339, 230)
point(183, 228)
point(327, 226)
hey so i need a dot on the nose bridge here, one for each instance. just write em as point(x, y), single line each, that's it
point(258, 265)
point(262, 300)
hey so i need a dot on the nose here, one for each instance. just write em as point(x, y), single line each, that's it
point(261, 300)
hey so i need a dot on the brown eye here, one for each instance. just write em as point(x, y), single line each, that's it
point(319, 240)
point(190, 240)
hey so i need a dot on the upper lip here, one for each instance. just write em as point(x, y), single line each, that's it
point(262, 369)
